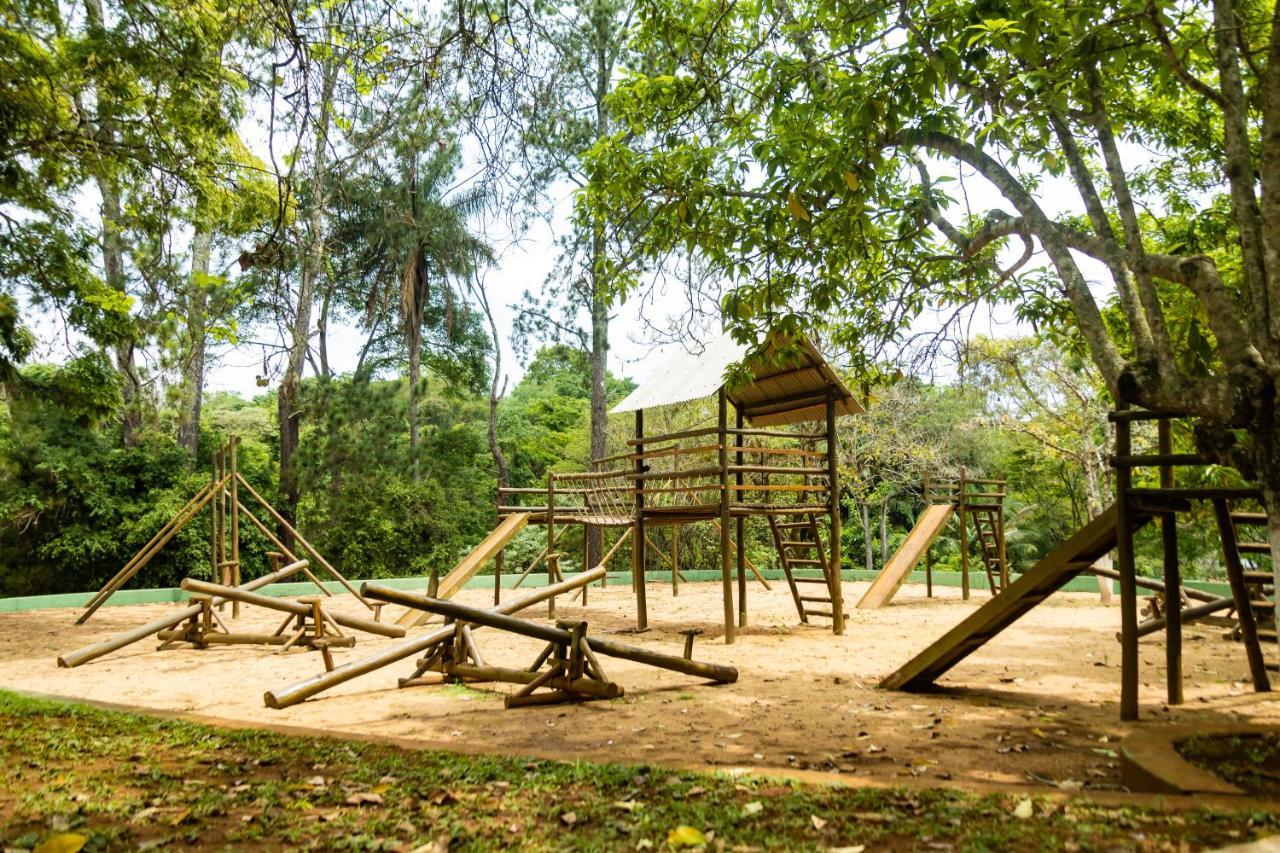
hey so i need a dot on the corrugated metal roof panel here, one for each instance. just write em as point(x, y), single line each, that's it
point(791, 391)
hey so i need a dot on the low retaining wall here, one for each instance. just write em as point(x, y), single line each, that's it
point(977, 582)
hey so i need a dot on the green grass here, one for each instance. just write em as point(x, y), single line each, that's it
point(122, 780)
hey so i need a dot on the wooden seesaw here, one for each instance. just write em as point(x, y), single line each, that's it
point(203, 626)
point(572, 670)
point(304, 690)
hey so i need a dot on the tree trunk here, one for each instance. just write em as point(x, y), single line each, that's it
point(1271, 502)
point(884, 532)
point(113, 273)
point(868, 541)
point(602, 25)
point(1094, 505)
point(194, 361)
point(496, 387)
point(289, 402)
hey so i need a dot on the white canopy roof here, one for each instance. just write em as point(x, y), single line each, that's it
point(780, 393)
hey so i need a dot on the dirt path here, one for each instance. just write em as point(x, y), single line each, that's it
point(1038, 703)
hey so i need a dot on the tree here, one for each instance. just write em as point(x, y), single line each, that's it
point(565, 115)
point(796, 145)
point(1059, 403)
point(131, 104)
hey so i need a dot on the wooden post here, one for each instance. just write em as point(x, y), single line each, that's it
point(726, 559)
point(552, 563)
point(928, 553)
point(1128, 583)
point(964, 538)
point(833, 498)
point(235, 524)
point(740, 525)
point(675, 559)
point(1001, 551)
point(498, 560)
point(637, 538)
point(214, 491)
point(1172, 574)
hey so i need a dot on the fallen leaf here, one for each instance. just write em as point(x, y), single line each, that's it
point(753, 807)
point(685, 836)
point(626, 805)
point(856, 848)
point(1023, 810)
point(66, 842)
point(695, 791)
point(818, 823)
point(316, 781)
point(871, 817)
point(365, 798)
point(569, 818)
point(440, 845)
point(180, 817)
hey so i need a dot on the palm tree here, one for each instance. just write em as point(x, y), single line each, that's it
point(402, 239)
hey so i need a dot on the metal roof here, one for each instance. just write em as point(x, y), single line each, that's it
point(784, 390)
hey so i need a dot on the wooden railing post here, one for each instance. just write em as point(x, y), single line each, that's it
point(726, 560)
point(551, 541)
point(964, 537)
point(833, 500)
point(1128, 582)
point(1172, 573)
point(638, 537)
point(740, 522)
point(235, 522)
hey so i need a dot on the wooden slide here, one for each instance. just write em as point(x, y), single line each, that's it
point(1068, 560)
point(470, 564)
point(887, 583)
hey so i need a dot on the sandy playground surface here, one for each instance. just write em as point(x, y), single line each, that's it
point(1037, 704)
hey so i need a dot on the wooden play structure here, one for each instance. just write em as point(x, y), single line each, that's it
point(222, 497)
point(747, 465)
point(308, 623)
point(568, 667)
point(1134, 508)
point(980, 501)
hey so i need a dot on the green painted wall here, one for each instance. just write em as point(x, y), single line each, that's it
point(161, 596)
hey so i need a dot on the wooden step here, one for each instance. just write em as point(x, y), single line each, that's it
point(799, 543)
point(1249, 517)
point(1254, 547)
point(822, 581)
point(826, 613)
point(803, 561)
point(792, 525)
point(1258, 577)
point(818, 598)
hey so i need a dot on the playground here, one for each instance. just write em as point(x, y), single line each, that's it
point(1037, 706)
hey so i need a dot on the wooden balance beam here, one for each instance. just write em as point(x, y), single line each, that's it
point(285, 605)
point(133, 635)
point(303, 690)
point(575, 672)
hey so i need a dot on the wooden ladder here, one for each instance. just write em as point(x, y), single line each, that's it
point(986, 521)
point(799, 544)
point(1258, 579)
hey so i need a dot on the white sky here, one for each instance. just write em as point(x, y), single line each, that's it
point(525, 264)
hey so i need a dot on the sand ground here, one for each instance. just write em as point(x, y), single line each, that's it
point(1037, 704)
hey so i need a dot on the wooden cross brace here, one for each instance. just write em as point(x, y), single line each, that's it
point(569, 671)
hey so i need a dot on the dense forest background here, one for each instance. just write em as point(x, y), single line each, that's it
point(182, 183)
point(77, 503)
